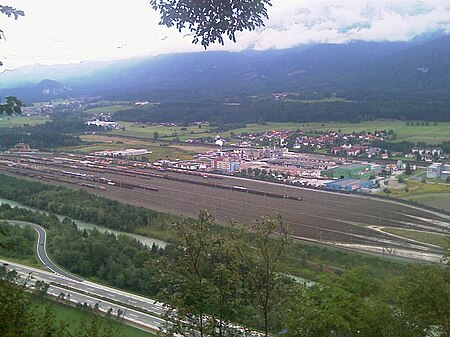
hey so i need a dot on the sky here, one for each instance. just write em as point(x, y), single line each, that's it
point(68, 31)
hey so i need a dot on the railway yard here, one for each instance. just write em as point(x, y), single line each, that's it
point(347, 221)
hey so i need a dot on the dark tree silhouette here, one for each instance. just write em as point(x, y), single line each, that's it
point(210, 20)
point(12, 104)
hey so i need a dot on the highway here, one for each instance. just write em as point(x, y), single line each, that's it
point(140, 310)
point(136, 308)
point(42, 252)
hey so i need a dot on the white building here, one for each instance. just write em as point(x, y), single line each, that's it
point(438, 170)
point(122, 153)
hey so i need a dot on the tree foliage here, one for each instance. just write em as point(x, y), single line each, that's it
point(210, 20)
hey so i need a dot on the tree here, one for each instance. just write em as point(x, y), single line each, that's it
point(209, 21)
point(422, 301)
point(155, 135)
point(408, 170)
point(12, 104)
point(272, 238)
point(188, 278)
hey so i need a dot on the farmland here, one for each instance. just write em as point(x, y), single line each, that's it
point(431, 134)
point(159, 151)
point(9, 122)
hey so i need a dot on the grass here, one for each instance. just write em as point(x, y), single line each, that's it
point(158, 152)
point(31, 261)
point(73, 317)
point(107, 109)
point(437, 200)
point(165, 132)
point(431, 134)
point(9, 122)
point(430, 194)
point(432, 238)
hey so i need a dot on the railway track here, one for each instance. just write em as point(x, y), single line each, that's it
point(325, 217)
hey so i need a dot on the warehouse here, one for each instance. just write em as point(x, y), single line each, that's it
point(355, 171)
point(348, 185)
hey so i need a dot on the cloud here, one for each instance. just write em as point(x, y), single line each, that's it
point(65, 31)
point(294, 22)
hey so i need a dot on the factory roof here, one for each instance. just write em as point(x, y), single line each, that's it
point(345, 182)
point(353, 166)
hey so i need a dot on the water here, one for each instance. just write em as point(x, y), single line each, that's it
point(86, 225)
point(298, 279)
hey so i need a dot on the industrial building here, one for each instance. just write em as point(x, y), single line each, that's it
point(354, 171)
point(348, 185)
point(438, 170)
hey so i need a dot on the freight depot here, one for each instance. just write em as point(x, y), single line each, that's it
point(314, 215)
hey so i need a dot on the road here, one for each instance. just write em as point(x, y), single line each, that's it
point(42, 252)
point(136, 308)
point(139, 309)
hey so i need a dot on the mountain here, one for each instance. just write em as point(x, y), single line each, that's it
point(43, 91)
point(356, 70)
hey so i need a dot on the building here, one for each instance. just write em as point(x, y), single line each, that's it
point(106, 125)
point(348, 185)
point(22, 147)
point(438, 170)
point(226, 165)
point(354, 171)
point(122, 153)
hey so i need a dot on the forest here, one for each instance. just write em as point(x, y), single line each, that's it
point(214, 272)
point(57, 133)
point(234, 276)
point(271, 110)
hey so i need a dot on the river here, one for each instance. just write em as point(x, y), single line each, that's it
point(86, 225)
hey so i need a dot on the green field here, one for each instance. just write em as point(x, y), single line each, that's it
point(107, 109)
point(165, 132)
point(432, 238)
point(431, 134)
point(438, 200)
point(72, 317)
point(9, 122)
point(102, 143)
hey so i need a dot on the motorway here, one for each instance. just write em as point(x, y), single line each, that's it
point(135, 308)
point(41, 250)
point(138, 309)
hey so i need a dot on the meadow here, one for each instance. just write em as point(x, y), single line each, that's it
point(107, 109)
point(432, 238)
point(9, 122)
point(158, 151)
point(431, 134)
point(73, 318)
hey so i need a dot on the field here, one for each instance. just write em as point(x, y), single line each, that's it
point(438, 200)
point(159, 151)
point(72, 317)
point(165, 132)
point(107, 109)
point(432, 238)
point(431, 134)
point(9, 122)
point(430, 194)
